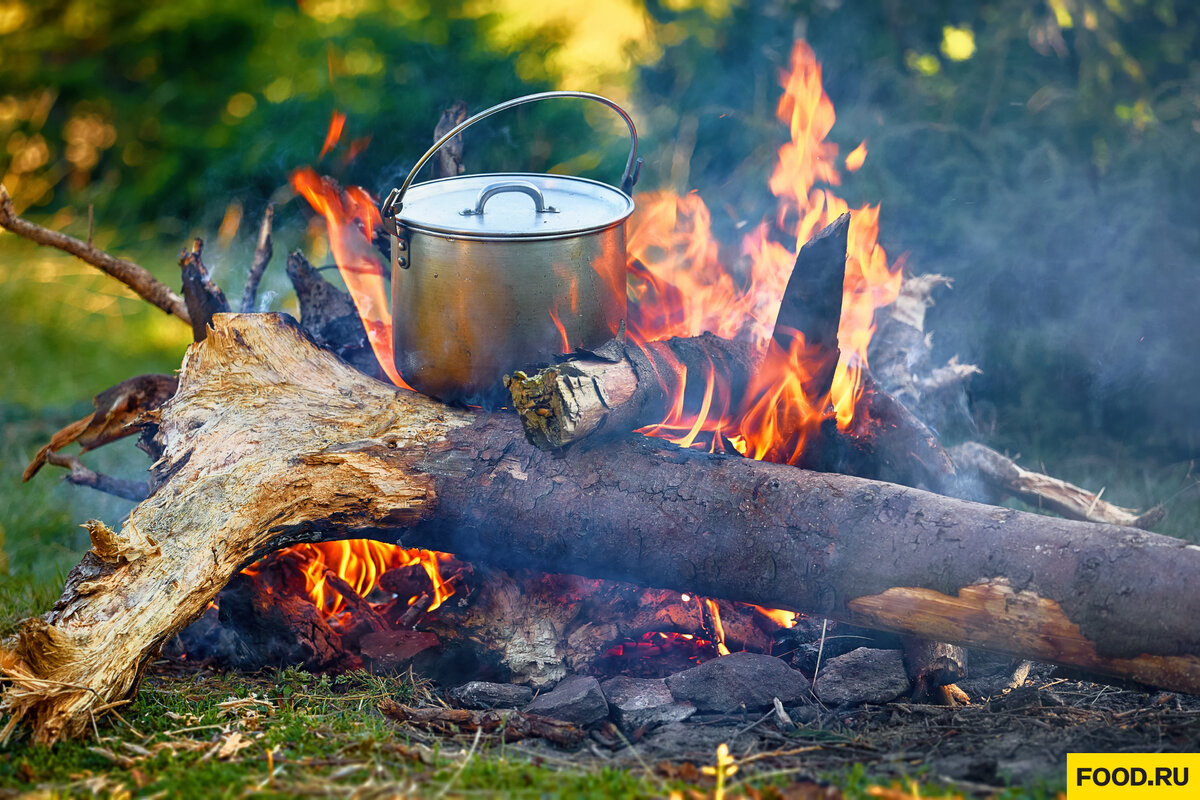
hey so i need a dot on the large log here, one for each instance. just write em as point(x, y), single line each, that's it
point(271, 440)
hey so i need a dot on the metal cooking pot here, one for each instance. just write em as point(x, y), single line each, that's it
point(492, 273)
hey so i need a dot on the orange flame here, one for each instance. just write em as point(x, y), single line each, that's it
point(856, 157)
point(352, 218)
point(718, 628)
point(360, 562)
point(680, 286)
point(337, 123)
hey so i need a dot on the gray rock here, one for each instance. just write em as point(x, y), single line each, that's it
point(484, 695)
point(576, 699)
point(862, 676)
point(679, 741)
point(729, 683)
point(643, 702)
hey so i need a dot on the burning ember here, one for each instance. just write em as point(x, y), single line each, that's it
point(682, 283)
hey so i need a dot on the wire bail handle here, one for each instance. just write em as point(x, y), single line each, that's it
point(633, 165)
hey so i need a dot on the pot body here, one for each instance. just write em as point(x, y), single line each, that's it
point(467, 310)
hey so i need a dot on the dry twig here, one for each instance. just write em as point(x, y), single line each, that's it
point(262, 257)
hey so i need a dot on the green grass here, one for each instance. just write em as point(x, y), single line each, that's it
point(212, 739)
point(291, 733)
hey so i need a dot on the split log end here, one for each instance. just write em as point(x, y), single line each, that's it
point(564, 403)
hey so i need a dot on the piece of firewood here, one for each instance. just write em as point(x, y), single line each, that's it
point(448, 161)
point(262, 256)
point(118, 411)
point(535, 628)
point(270, 441)
point(589, 396)
point(1005, 476)
point(592, 396)
point(327, 313)
point(512, 725)
point(203, 297)
point(812, 302)
point(932, 666)
point(135, 277)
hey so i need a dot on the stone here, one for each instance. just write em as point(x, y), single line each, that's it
point(575, 699)
point(643, 703)
point(749, 681)
point(862, 676)
point(484, 695)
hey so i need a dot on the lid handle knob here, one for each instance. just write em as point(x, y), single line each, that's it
point(524, 187)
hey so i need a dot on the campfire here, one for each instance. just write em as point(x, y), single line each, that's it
point(305, 512)
point(682, 283)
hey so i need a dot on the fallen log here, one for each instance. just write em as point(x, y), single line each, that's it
point(271, 440)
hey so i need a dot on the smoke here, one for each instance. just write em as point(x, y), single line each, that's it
point(1069, 230)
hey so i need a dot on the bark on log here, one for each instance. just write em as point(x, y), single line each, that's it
point(271, 441)
point(588, 396)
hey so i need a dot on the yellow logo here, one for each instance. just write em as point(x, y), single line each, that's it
point(1158, 776)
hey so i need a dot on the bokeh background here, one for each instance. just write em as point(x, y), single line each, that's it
point(1045, 154)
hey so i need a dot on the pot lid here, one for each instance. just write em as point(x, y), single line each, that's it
point(514, 205)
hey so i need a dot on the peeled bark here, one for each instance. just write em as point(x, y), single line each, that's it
point(271, 440)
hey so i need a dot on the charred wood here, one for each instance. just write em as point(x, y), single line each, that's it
point(932, 666)
point(512, 725)
point(590, 396)
point(204, 298)
point(328, 315)
point(812, 302)
point(119, 413)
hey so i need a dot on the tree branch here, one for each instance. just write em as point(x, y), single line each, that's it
point(135, 277)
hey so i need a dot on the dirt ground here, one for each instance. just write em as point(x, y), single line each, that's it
point(1015, 737)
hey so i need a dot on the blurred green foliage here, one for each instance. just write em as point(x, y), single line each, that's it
point(170, 111)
